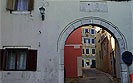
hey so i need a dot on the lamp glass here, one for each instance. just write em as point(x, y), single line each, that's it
point(42, 9)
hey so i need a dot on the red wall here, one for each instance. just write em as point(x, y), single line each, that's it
point(71, 53)
point(75, 37)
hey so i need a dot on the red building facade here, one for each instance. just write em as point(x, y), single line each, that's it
point(72, 50)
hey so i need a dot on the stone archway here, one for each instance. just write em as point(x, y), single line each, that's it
point(97, 21)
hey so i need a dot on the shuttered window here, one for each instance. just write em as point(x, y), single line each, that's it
point(20, 5)
point(18, 60)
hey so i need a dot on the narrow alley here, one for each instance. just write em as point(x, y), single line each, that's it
point(91, 76)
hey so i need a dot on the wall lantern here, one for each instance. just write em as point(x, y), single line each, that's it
point(42, 12)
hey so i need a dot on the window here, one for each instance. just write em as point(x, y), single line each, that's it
point(92, 31)
point(93, 51)
point(82, 51)
point(84, 40)
point(20, 5)
point(86, 30)
point(16, 59)
point(88, 41)
point(83, 31)
point(87, 51)
point(19, 60)
point(93, 41)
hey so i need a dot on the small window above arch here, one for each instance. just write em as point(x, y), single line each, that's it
point(20, 5)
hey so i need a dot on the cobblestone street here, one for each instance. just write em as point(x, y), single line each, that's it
point(90, 76)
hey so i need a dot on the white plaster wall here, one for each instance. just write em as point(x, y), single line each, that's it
point(24, 30)
point(20, 29)
point(120, 15)
point(131, 67)
point(0, 35)
point(132, 23)
point(0, 23)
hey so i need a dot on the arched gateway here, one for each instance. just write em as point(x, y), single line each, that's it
point(96, 21)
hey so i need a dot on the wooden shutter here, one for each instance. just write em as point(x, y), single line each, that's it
point(1, 59)
point(30, 5)
point(32, 60)
point(11, 4)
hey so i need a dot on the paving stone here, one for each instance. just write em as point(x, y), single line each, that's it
point(90, 76)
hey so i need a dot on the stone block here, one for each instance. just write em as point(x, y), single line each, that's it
point(77, 24)
point(124, 78)
point(105, 25)
point(124, 67)
point(96, 6)
point(98, 22)
point(88, 21)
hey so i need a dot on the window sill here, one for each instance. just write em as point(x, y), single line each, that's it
point(20, 12)
point(15, 70)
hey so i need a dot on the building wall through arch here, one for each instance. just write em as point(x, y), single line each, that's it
point(97, 21)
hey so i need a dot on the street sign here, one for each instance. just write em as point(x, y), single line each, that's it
point(127, 57)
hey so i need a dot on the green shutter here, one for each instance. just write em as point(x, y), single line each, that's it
point(11, 4)
point(30, 5)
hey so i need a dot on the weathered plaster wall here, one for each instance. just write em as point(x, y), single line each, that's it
point(23, 29)
point(20, 29)
point(0, 23)
point(120, 15)
point(131, 67)
point(0, 34)
point(132, 22)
